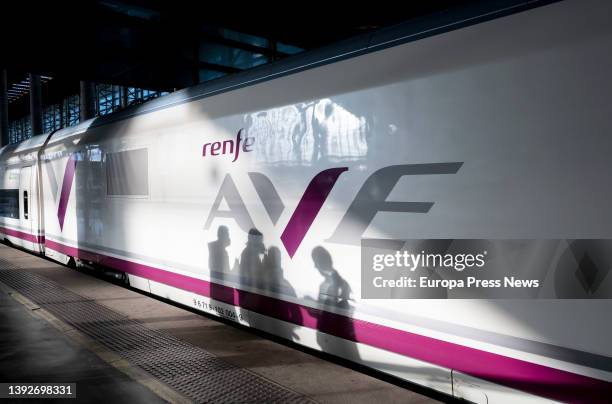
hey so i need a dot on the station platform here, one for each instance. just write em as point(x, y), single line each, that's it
point(59, 324)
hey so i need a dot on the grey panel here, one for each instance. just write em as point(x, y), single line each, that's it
point(127, 173)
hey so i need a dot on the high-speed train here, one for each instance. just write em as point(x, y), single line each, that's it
point(249, 197)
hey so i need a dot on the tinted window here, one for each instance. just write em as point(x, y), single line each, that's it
point(9, 203)
point(127, 173)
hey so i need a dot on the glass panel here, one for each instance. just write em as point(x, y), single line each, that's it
point(245, 38)
point(233, 57)
point(20, 130)
point(67, 113)
point(290, 49)
point(51, 118)
point(109, 98)
point(206, 75)
point(9, 203)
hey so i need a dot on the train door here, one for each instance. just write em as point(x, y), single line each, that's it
point(27, 207)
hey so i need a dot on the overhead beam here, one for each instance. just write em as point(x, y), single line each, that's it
point(87, 100)
point(219, 68)
point(4, 128)
point(36, 104)
point(231, 43)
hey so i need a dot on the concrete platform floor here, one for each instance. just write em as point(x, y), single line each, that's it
point(31, 350)
point(24, 338)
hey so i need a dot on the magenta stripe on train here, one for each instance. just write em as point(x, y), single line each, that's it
point(65, 191)
point(22, 235)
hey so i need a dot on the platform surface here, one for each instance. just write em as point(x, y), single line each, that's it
point(31, 350)
point(203, 353)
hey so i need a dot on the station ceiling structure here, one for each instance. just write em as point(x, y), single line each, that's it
point(164, 45)
point(151, 47)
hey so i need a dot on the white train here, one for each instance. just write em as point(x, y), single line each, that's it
point(251, 203)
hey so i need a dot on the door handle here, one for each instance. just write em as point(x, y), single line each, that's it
point(25, 204)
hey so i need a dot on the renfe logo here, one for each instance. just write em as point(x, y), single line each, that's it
point(229, 146)
point(370, 199)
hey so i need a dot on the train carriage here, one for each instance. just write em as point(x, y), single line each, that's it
point(251, 201)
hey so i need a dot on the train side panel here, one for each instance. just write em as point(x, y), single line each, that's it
point(20, 221)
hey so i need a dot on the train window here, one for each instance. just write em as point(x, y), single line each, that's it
point(9, 203)
point(127, 173)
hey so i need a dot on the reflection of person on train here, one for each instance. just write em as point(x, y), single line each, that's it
point(299, 130)
point(218, 263)
point(274, 281)
point(320, 134)
point(218, 260)
point(333, 291)
point(272, 274)
point(251, 259)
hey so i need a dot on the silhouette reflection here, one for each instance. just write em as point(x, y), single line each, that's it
point(250, 267)
point(275, 282)
point(218, 262)
point(320, 132)
point(262, 269)
point(251, 259)
point(334, 291)
point(300, 129)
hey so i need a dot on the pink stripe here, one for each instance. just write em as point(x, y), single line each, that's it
point(24, 236)
point(308, 207)
point(66, 187)
point(515, 373)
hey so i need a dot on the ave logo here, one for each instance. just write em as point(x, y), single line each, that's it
point(370, 199)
